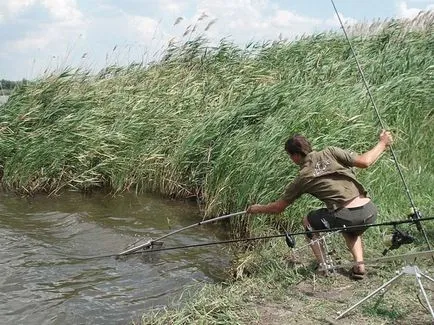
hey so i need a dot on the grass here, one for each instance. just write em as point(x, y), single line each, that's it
point(275, 285)
point(209, 123)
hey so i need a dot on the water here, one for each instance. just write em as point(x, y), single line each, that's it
point(44, 279)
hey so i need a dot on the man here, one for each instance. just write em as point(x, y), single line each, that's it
point(328, 176)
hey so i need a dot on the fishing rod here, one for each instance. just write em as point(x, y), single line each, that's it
point(415, 215)
point(406, 238)
point(150, 243)
point(290, 241)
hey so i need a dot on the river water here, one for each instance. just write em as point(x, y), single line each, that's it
point(43, 240)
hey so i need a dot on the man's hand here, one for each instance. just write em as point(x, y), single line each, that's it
point(386, 138)
point(253, 209)
point(270, 208)
point(368, 158)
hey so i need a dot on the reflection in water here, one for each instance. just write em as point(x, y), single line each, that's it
point(45, 279)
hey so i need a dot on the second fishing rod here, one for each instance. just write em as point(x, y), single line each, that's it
point(415, 215)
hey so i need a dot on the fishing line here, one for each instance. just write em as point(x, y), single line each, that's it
point(416, 215)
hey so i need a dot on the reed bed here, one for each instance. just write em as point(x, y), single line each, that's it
point(210, 123)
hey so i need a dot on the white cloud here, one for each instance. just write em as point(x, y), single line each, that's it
point(228, 11)
point(422, 1)
point(334, 22)
point(68, 22)
point(9, 8)
point(49, 34)
point(404, 11)
point(64, 10)
point(60, 10)
point(247, 20)
point(145, 28)
point(172, 6)
point(284, 18)
point(33, 40)
point(243, 20)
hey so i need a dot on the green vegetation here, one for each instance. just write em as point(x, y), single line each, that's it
point(210, 123)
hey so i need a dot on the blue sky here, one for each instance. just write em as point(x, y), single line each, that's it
point(40, 36)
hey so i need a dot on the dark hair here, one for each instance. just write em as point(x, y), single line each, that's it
point(298, 144)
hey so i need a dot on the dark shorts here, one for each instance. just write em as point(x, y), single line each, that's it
point(345, 217)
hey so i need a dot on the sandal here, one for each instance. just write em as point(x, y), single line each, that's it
point(356, 274)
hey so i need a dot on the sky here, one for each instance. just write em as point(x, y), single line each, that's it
point(38, 37)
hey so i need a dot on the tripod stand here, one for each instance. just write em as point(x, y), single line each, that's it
point(409, 269)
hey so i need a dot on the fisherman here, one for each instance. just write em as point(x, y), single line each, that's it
point(328, 176)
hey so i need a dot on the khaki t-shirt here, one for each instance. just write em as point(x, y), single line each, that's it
point(328, 176)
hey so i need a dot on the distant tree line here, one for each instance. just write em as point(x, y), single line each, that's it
point(6, 86)
point(9, 84)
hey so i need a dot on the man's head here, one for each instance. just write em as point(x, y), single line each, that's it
point(298, 147)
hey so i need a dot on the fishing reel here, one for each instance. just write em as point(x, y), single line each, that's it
point(398, 238)
point(415, 216)
point(290, 240)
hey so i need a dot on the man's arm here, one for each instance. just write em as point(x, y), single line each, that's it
point(271, 208)
point(368, 158)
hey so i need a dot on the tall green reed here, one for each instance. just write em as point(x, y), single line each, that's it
point(210, 122)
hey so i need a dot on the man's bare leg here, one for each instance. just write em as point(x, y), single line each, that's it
point(315, 244)
point(355, 245)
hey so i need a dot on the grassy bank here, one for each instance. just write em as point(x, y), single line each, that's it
point(281, 288)
point(210, 124)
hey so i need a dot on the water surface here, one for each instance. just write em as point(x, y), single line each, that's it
point(46, 278)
